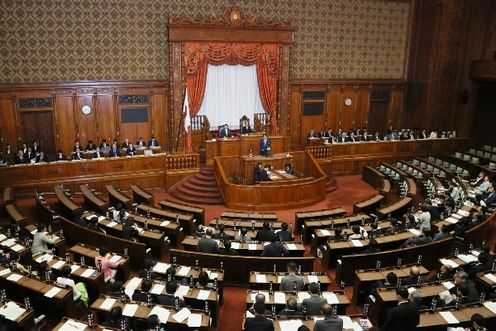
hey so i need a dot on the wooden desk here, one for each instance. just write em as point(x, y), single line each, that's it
point(25, 321)
point(239, 267)
point(67, 205)
point(16, 216)
point(66, 323)
point(352, 322)
point(141, 196)
point(115, 197)
point(144, 310)
point(242, 223)
point(309, 227)
point(92, 201)
point(254, 216)
point(262, 280)
point(242, 146)
point(372, 176)
point(301, 217)
point(45, 211)
point(173, 230)
point(369, 205)
point(397, 209)
point(90, 253)
point(16, 245)
point(435, 321)
point(187, 221)
point(8, 195)
point(176, 207)
point(277, 161)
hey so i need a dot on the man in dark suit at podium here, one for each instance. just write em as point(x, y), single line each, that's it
point(245, 128)
point(265, 146)
point(225, 132)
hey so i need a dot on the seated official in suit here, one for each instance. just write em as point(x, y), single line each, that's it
point(243, 236)
point(207, 244)
point(245, 129)
point(131, 150)
point(153, 142)
point(291, 308)
point(98, 154)
point(41, 158)
point(260, 174)
point(21, 158)
point(275, 249)
point(144, 291)
point(266, 233)
point(284, 234)
point(312, 135)
point(114, 151)
point(259, 322)
point(140, 144)
point(259, 298)
point(115, 318)
point(227, 250)
point(288, 168)
point(376, 137)
point(35, 147)
point(169, 299)
point(265, 146)
point(291, 281)
point(125, 144)
point(30, 154)
point(313, 305)
point(225, 132)
point(77, 155)
point(222, 235)
point(329, 323)
point(404, 316)
point(490, 198)
point(60, 156)
point(91, 146)
point(77, 145)
point(104, 145)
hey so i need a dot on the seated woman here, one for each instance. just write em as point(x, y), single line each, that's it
point(65, 280)
point(105, 265)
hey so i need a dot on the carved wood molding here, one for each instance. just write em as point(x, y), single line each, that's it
point(483, 70)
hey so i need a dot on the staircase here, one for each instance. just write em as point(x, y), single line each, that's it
point(200, 188)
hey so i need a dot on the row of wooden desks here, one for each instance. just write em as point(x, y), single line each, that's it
point(302, 217)
point(17, 317)
point(262, 280)
point(310, 226)
point(187, 221)
point(350, 323)
point(235, 223)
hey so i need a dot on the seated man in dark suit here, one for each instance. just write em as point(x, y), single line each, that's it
point(140, 144)
point(227, 250)
point(291, 308)
point(131, 150)
point(260, 174)
point(153, 142)
point(77, 155)
point(284, 234)
point(21, 158)
point(403, 317)
point(313, 305)
point(265, 234)
point(337, 234)
point(265, 146)
point(259, 322)
point(98, 154)
point(461, 277)
point(245, 129)
point(170, 298)
point(207, 244)
point(291, 281)
point(225, 132)
point(114, 151)
point(375, 232)
point(128, 230)
point(288, 168)
point(221, 234)
point(481, 265)
point(144, 292)
point(275, 249)
point(104, 145)
point(60, 156)
point(413, 277)
point(329, 323)
point(91, 146)
point(41, 157)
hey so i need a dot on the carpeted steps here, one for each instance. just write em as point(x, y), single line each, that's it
point(200, 188)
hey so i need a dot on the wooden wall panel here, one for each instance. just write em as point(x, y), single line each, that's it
point(65, 123)
point(105, 126)
point(8, 129)
point(362, 107)
point(395, 103)
point(294, 127)
point(347, 111)
point(333, 106)
point(86, 124)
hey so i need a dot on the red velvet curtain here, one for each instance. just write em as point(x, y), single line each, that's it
point(264, 56)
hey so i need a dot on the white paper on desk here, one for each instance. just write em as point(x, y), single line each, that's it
point(456, 216)
point(292, 247)
point(2, 237)
point(14, 277)
point(475, 253)
point(312, 279)
point(302, 296)
point(161, 267)
point(53, 292)
point(183, 271)
point(130, 309)
point(101, 218)
point(212, 275)
point(279, 297)
point(249, 315)
point(17, 248)
point(491, 306)
point(449, 285)
point(112, 224)
point(108, 303)
point(9, 242)
point(181, 315)
point(347, 322)
point(161, 312)
point(58, 265)
point(356, 327)
point(463, 212)
point(203, 295)
point(446, 297)
point(157, 289)
point(33, 232)
point(115, 258)
point(290, 325)
point(72, 325)
point(331, 297)
point(164, 223)
point(235, 245)
point(261, 278)
point(325, 232)
point(90, 216)
point(467, 258)
point(252, 247)
point(411, 290)
point(254, 294)
point(491, 277)
point(448, 262)
point(88, 273)
point(44, 257)
point(12, 310)
point(195, 320)
point(458, 328)
point(181, 291)
point(451, 220)
point(4, 272)
point(357, 243)
point(132, 285)
point(449, 317)
point(74, 268)
point(279, 279)
point(415, 232)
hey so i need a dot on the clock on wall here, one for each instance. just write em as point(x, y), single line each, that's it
point(86, 109)
point(348, 101)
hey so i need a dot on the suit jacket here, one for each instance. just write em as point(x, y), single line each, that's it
point(275, 250)
point(41, 159)
point(141, 296)
point(264, 147)
point(168, 300)
point(285, 235)
point(114, 152)
point(264, 235)
point(77, 156)
point(222, 235)
point(259, 323)
point(153, 143)
point(491, 198)
point(97, 155)
point(331, 324)
point(90, 147)
point(313, 304)
point(403, 317)
point(207, 245)
point(18, 160)
point(288, 282)
point(224, 133)
point(131, 151)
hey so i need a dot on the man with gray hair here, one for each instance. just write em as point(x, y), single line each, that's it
point(461, 277)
